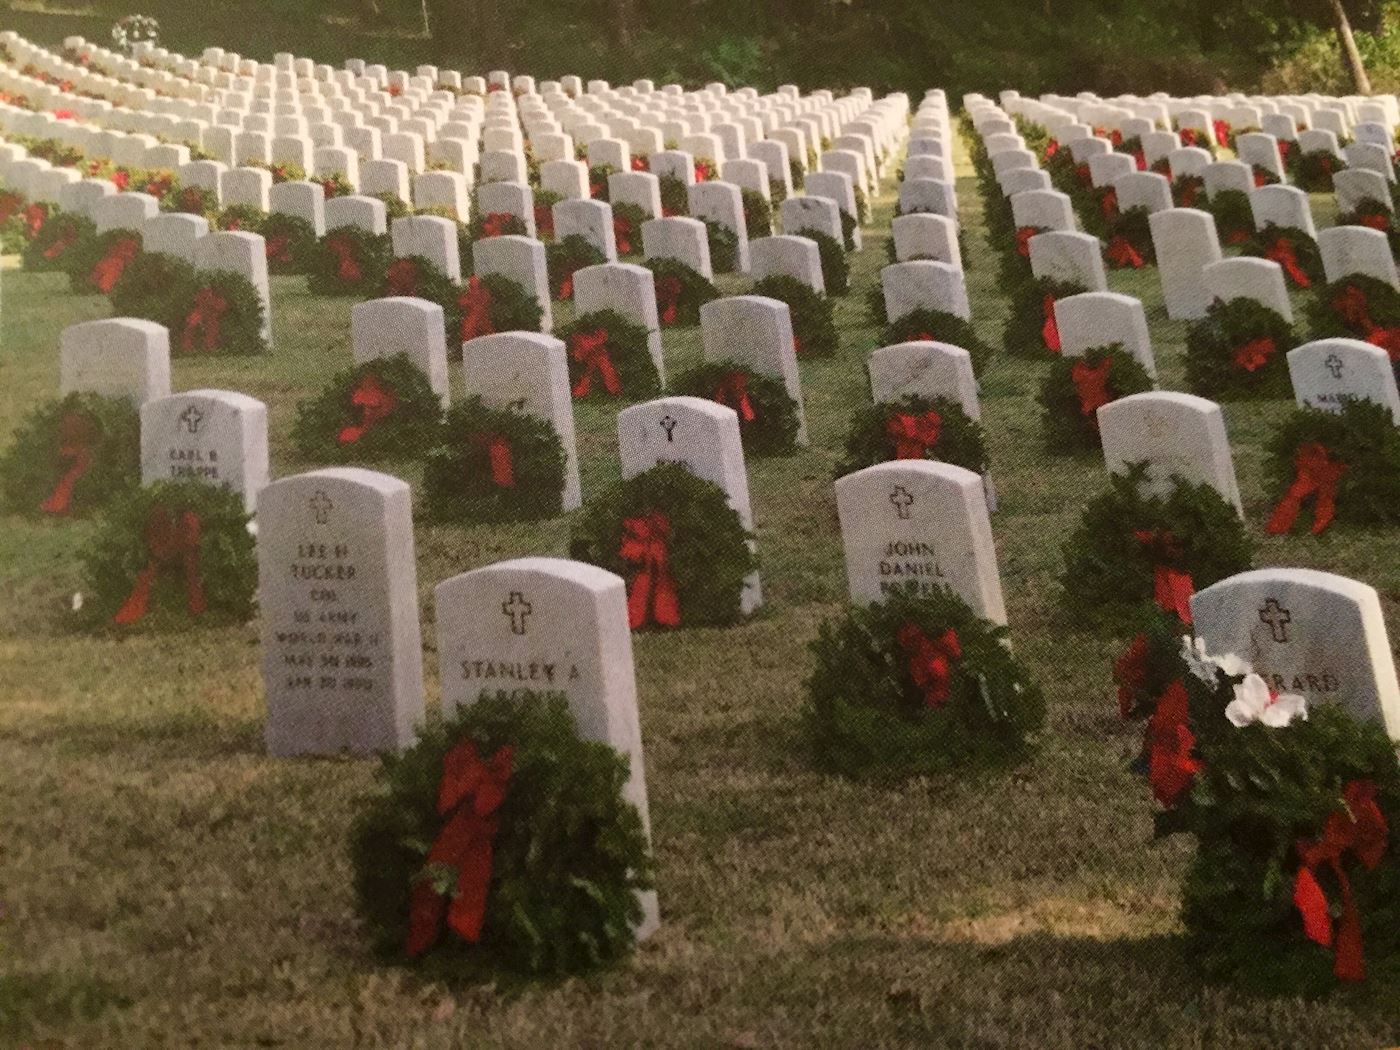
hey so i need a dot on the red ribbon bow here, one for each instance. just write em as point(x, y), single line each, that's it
point(1314, 473)
point(109, 268)
point(1171, 587)
point(347, 266)
point(544, 221)
point(1187, 193)
point(1130, 674)
point(930, 661)
point(913, 436)
point(1375, 220)
point(1283, 253)
point(76, 433)
point(1108, 204)
point(1023, 240)
point(10, 203)
point(1122, 253)
point(733, 391)
point(1255, 354)
point(1360, 827)
point(1083, 175)
point(61, 243)
point(651, 592)
point(590, 349)
point(1091, 384)
point(375, 401)
point(468, 794)
point(1051, 148)
point(566, 287)
point(172, 539)
point(279, 249)
point(1171, 766)
point(622, 234)
point(668, 298)
point(1050, 329)
point(1355, 311)
point(209, 308)
point(401, 278)
point(498, 456)
point(476, 310)
point(1222, 132)
point(494, 223)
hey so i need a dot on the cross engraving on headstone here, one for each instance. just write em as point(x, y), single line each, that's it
point(902, 500)
point(1334, 365)
point(1277, 618)
point(517, 608)
point(321, 506)
point(668, 424)
point(192, 417)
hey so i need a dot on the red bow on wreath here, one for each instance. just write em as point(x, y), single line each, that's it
point(498, 457)
point(347, 266)
point(1375, 220)
point(1050, 329)
point(1122, 253)
point(1222, 132)
point(622, 234)
point(401, 278)
point(121, 178)
point(1359, 827)
point(61, 243)
point(1084, 176)
point(1355, 311)
point(641, 164)
point(1170, 763)
point(1108, 204)
point(1283, 253)
point(1188, 192)
point(1314, 473)
point(1130, 674)
point(76, 433)
point(1254, 354)
point(34, 218)
point(733, 390)
point(209, 309)
point(544, 221)
point(651, 592)
point(494, 224)
point(1091, 384)
point(1023, 240)
point(475, 302)
point(109, 268)
point(930, 661)
point(9, 204)
point(468, 794)
point(1171, 587)
point(668, 298)
point(1188, 136)
point(279, 249)
point(1051, 148)
point(172, 539)
point(913, 436)
point(566, 286)
point(590, 349)
point(375, 402)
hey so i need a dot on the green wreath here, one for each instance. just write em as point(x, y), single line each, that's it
point(680, 291)
point(914, 427)
point(418, 277)
point(917, 685)
point(568, 857)
point(1312, 172)
point(381, 410)
point(813, 317)
point(1362, 438)
point(862, 205)
point(1109, 569)
point(1233, 217)
point(627, 227)
point(334, 185)
point(609, 357)
point(545, 200)
point(1013, 248)
point(62, 236)
point(758, 214)
point(1375, 215)
point(156, 287)
point(395, 207)
point(565, 258)
point(240, 217)
point(724, 247)
point(1262, 176)
point(490, 303)
point(1068, 415)
point(1293, 249)
point(598, 181)
point(836, 269)
point(72, 455)
point(676, 541)
point(1239, 349)
point(1358, 307)
point(288, 243)
point(938, 326)
point(1130, 239)
point(492, 465)
point(191, 200)
point(797, 174)
point(1188, 191)
point(1031, 329)
point(848, 230)
point(348, 261)
point(767, 413)
point(220, 313)
point(95, 264)
point(496, 224)
point(675, 197)
point(169, 555)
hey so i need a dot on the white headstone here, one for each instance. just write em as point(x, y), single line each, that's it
point(214, 436)
point(755, 332)
point(1173, 433)
point(1327, 373)
point(115, 357)
point(1185, 242)
point(1094, 319)
point(403, 325)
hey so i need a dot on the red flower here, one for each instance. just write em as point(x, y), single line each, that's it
point(1171, 766)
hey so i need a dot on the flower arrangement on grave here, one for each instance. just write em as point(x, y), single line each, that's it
point(502, 843)
point(1031, 329)
point(609, 357)
point(131, 30)
point(917, 685)
point(675, 197)
point(418, 277)
point(767, 414)
point(490, 303)
point(836, 268)
point(1233, 217)
point(191, 200)
point(813, 318)
point(1189, 191)
point(724, 246)
point(564, 258)
point(914, 427)
point(1344, 466)
point(1360, 307)
point(1293, 249)
point(938, 326)
point(348, 261)
point(545, 200)
point(334, 184)
point(758, 214)
point(240, 217)
point(1295, 883)
point(680, 291)
point(383, 409)
point(598, 181)
point(287, 241)
point(95, 264)
point(1076, 387)
point(1374, 215)
point(1130, 240)
point(53, 242)
point(676, 541)
point(493, 464)
point(627, 227)
point(797, 174)
point(218, 312)
point(284, 171)
point(1312, 171)
point(170, 555)
point(71, 456)
point(1132, 547)
point(156, 287)
point(1239, 349)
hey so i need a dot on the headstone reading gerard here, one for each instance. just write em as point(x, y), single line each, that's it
point(215, 436)
point(116, 357)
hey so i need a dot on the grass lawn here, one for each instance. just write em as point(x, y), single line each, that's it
point(165, 883)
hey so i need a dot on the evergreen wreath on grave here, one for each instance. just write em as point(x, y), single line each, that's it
point(505, 822)
point(169, 555)
point(497, 224)
point(493, 464)
point(383, 409)
point(240, 217)
point(348, 261)
point(54, 242)
point(705, 170)
point(675, 198)
point(598, 181)
point(627, 227)
point(1132, 147)
point(395, 207)
point(1292, 249)
point(1031, 329)
point(797, 174)
point(544, 202)
point(1358, 307)
point(676, 541)
point(836, 268)
point(1130, 240)
point(1189, 191)
point(862, 206)
point(767, 413)
point(1262, 176)
point(917, 686)
point(813, 317)
point(938, 326)
point(418, 277)
point(95, 264)
point(724, 246)
point(848, 229)
point(72, 455)
point(1075, 388)
point(219, 312)
point(334, 185)
point(609, 357)
point(156, 287)
point(1014, 249)
point(680, 291)
point(1233, 217)
point(1295, 882)
point(1239, 349)
point(1152, 661)
point(914, 427)
point(1131, 547)
point(13, 230)
point(758, 214)
point(1312, 171)
point(1374, 215)
point(566, 257)
point(288, 242)
point(490, 303)
point(1345, 464)
point(191, 200)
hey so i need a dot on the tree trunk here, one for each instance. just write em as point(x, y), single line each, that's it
point(1355, 66)
point(623, 15)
